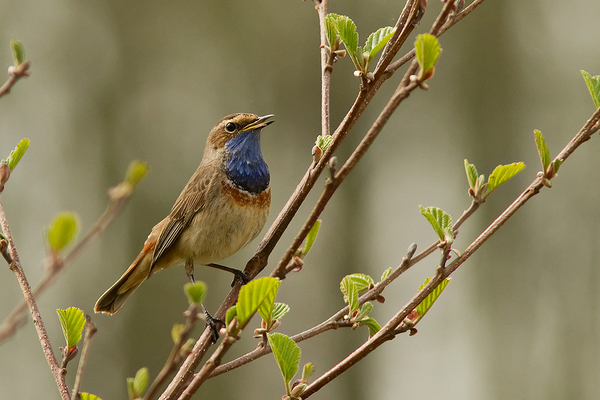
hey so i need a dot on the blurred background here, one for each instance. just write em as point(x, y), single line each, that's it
point(114, 81)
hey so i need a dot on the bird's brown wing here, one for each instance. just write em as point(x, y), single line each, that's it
point(191, 201)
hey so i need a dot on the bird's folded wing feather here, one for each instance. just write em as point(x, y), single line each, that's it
point(191, 201)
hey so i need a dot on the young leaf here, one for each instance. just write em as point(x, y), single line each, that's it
point(362, 281)
point(542, 149)
point(195, 292)
point(350, 291)
point(136, 171)
point(386, 273)
point(426, 304)
point(501, 174)
point(372, 324)
point(279, 310)
point(62, 230)
point(441, 223)
point(364, 311)
point(346, 29)
point(253, 294)
point(230, 314)
point(377, 40)
point(331, 29)
point(15, 156)
point(176, 332)
point(266, 308)
point(87, 396)
point(427, 50)
point(72, 322)
point(311, 237)
point(308, 371)
point(471, 174)
point(140, 382)
point(593, 84)
point(287, 355)
point(18, 51)
point(323, 142)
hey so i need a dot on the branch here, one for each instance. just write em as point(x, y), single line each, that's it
point(118, 195)
point(387, 332)
point(90, 331)
point(14, 74)
point(15, 266)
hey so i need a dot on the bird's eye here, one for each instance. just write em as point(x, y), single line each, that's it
point(230, 127)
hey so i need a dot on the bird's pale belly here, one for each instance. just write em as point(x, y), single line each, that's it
point(225, 226)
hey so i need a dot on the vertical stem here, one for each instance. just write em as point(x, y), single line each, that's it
point(15, 266)
point(321, 7)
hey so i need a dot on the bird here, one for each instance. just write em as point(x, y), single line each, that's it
point(221, 209)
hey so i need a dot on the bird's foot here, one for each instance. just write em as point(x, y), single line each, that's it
point(240, 276)
point(213, 324)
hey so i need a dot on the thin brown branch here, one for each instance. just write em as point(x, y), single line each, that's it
point(387, 332)
point(326, 66)
point(20, 71)
point(273, 235)
point(175, 356)
point(18, 317)
point(90, 331)
point(15, 266)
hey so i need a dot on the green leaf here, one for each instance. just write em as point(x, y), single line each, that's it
point(501, 174)
point(364, 311)
point(350, 291)
point(195, 292)
point(542, 149)
point(556, 164)
point(136, 171)
point(176, 332)
point(346, 29)
point(323, 142)
point(362, 281)
point(307, 371)
point(426, 304)
point(471, 174)
point(230, 314)
point(593, 84)
point(266, 308)
point(72, 322)
point(372, 324)
point(252, 295)
point(140, 382)
point(62, 230)
point(331, 29)
point(386, 273)
point(287, 355)
point(15, 156)
point(18, 51)
point(311, 237)
point(377, 40)
point(87, 396)
point(441, 223)
point(427, 50)
point(279, 310)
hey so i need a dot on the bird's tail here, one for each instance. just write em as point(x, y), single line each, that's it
point(114, 298)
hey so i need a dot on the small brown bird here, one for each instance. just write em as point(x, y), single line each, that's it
point(222, 208)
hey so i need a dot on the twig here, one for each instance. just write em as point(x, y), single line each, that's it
point(15, 266)
point(18, 317)
point(192, 318)
point(90, 330)
point(258, 262)
point(20, 71)
point(387, 331)
point(326, 66)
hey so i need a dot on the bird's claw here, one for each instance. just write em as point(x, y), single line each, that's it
point(241, 277)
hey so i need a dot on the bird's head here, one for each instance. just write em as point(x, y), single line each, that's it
point(238, 136)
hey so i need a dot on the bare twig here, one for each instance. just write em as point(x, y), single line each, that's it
point(90, 330)
point(326, 66)
point(15, 266)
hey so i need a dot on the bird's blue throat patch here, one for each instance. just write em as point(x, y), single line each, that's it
point(245, 165)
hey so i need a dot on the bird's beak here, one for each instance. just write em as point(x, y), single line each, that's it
point(260, 123)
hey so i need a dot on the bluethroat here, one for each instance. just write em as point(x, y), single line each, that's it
point(223, 207)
